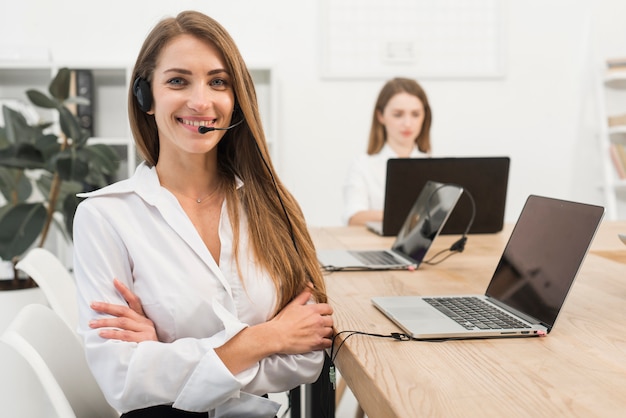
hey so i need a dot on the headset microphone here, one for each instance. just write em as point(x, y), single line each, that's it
point(205, 129)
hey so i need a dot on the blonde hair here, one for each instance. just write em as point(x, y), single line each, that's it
point(378, 134)
point(278, 234)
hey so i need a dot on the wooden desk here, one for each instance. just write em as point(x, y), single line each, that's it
point(607, 244)
point(579, 369)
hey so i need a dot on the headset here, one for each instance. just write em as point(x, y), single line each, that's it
point(143, 93)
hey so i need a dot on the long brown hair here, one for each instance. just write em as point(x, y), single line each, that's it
point(378, 134)
point(278, 234)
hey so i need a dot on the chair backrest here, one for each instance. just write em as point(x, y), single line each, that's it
point(21, 392)
point(55, 281)
point(56, 354)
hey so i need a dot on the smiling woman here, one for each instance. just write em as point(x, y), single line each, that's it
point(227, 295)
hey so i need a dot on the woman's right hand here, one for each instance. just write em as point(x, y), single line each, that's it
point(128, 323)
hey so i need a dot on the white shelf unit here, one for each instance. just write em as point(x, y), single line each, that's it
point(612, 102)
point(110, 83)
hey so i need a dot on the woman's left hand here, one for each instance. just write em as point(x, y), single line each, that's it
point(129, 323)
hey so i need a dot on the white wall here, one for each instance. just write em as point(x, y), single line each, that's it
point(540, 113)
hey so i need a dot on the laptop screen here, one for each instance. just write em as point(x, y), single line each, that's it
point(426, 218)
point(543, 255)
point(486, 178)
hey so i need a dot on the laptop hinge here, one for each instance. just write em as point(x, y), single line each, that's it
point(515, 312)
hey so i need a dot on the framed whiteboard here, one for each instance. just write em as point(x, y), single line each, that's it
point(414, 38)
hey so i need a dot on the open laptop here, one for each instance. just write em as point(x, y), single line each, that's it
point(486, 178)
point(530, 283)
point(422, 225)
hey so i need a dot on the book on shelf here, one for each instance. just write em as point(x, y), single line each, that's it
point(617, 120)
point(619, 62)
point(618, 157)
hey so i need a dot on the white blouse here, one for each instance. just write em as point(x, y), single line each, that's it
point(364, 187)
point(136, 231)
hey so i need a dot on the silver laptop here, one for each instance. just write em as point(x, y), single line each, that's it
point(528, 288)
point(422, 225)
point(375, 226)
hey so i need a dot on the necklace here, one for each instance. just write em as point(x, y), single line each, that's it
point(199, 200)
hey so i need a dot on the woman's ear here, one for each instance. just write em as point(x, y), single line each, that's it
point(379, 117)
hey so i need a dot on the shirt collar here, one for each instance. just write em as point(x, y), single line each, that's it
point(145, 182)
point(388, 152)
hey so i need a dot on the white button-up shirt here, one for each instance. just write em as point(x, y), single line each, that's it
point(364, 187)
point(136, 231)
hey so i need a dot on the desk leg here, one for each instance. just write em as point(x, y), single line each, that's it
point(320, 396)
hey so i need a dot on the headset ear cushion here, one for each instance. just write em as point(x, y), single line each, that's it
point(141, 90)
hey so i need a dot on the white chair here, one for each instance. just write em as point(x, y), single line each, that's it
point(55, 281)
point(21, 393)
point(56, 354)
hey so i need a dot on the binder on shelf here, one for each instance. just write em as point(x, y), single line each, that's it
point(81, 85)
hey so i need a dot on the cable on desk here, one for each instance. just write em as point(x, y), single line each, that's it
point(459, 245)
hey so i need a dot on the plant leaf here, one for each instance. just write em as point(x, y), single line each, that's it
point(68, 188)
point(81, 141)
point(22, 156)
point(19, 228)
point(16, 127)
point(39, 99)
point(48, 145)
point(14, 181)
point(103, 157)
point(69, 124)
point(71, 167)
point(60, 86)
point(77, 100)
point(70, 203)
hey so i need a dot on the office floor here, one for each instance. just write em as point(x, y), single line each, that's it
point(347, 406)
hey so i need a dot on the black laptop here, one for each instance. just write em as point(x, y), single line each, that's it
point(486, 178)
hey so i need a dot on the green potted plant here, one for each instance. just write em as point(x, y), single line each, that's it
point(43, 166)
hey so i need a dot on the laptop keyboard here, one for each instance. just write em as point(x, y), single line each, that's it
point(375, 257)
point(472, 312)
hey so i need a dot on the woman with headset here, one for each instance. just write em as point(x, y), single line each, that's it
point(218, 298)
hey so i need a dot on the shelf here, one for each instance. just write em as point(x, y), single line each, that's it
point(616, 79)
point(618, 135)
point(611, 106)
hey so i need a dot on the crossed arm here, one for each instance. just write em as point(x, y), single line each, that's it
point(298, 328)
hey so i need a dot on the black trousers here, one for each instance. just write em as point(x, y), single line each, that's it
point(163, 411)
